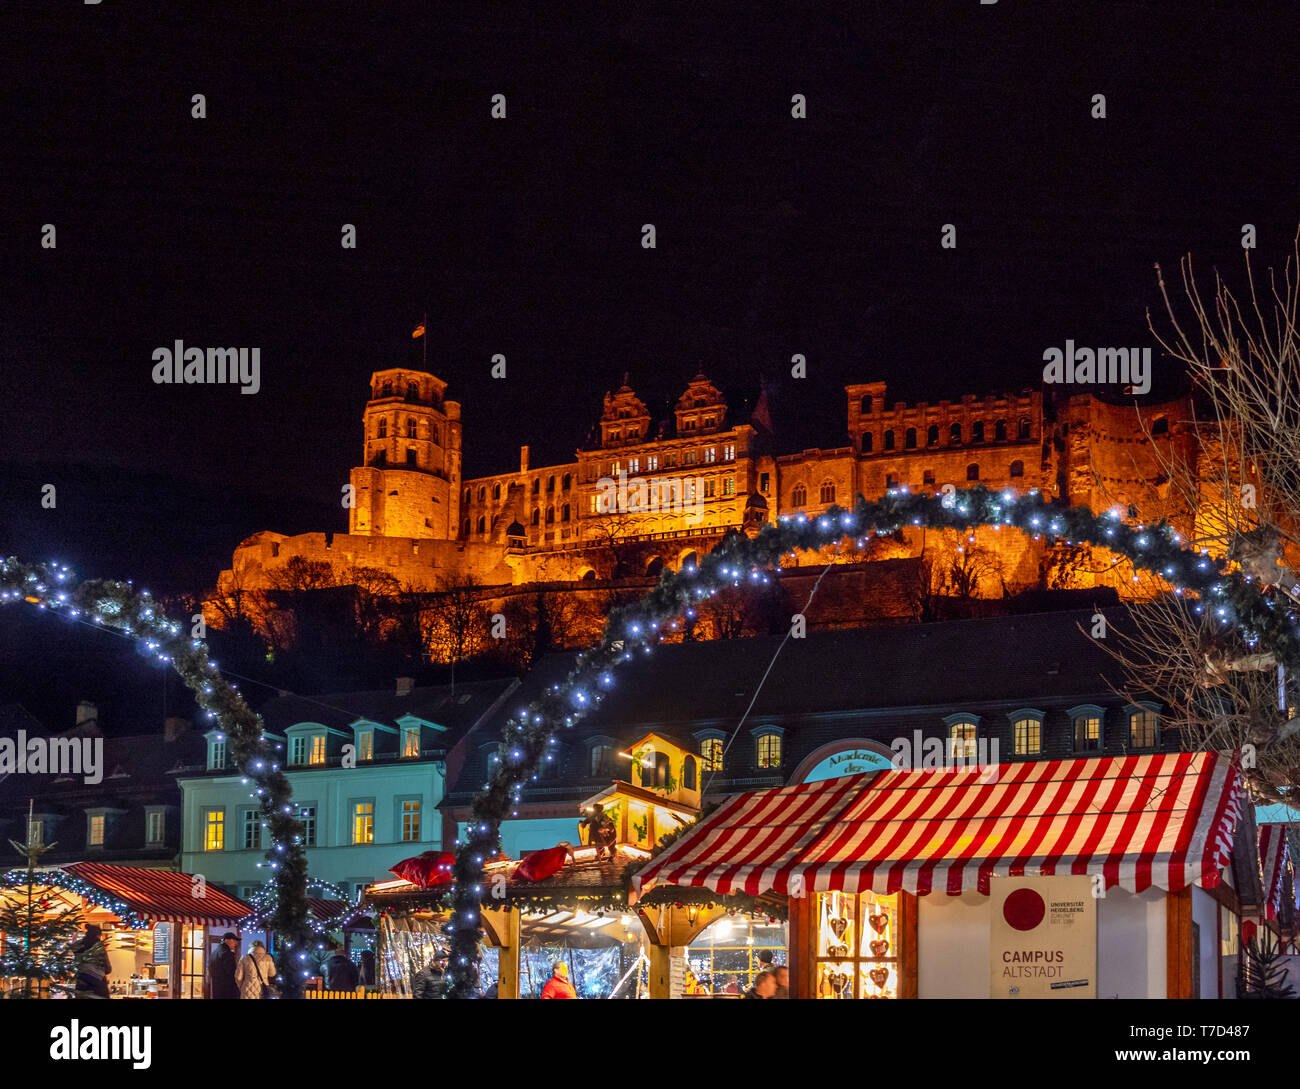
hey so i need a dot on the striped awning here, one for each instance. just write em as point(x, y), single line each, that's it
point(1274, 861)
point(1161, 820)
point(161, 896)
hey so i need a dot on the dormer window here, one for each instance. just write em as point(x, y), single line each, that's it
point(216, 754)
point(711, 753)
point(767, 740)
point(307, 749)
point(155, 826)
point(410, 742)
point(1026, 732)
point(1143, 726)
point(365, 744)
point(1085, 726)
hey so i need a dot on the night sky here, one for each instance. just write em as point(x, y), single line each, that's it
point(522, 236)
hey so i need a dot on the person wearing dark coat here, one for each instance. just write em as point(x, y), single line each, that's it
point(429, 981)
point(221, 971)
point(340, 973)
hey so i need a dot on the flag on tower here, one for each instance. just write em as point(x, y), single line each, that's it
point(418, 331)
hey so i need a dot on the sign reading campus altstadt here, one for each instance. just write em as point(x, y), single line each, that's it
point(1044, 937)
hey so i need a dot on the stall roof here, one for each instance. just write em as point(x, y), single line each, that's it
point(1274, 861)
point(1164, 820)
point(161, 896)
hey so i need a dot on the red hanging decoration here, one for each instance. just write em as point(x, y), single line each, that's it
point(427, 870)
point(539, 865)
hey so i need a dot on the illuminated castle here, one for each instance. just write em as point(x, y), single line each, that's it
point(651, 494)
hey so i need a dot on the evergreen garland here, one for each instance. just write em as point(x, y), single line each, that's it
point(121, 607)
point(1264, 619)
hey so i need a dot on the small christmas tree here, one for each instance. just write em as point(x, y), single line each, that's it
point(39, 943)
point(1258, 973)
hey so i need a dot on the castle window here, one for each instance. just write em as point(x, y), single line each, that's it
point(633, 466)
point(1026, 732)
point(651, 463)
point(688, 425)
point(709, 421)
point(550, 484)
point(1017, 468)
point(977, 431)
point(537, 514)
point(889, 439)
point(567, 482)
point(482, 524)
point(864, 406)
point(411, 457)
point(729, 486)
point(602, 760)
point(1023, 428)
point(710, 486)
point(633, 432)
point(828, 492)
point(412, 391)
point(412, 428)
point(729, 452)
point(954, 433)
point(688, 457)
point(973, 471)
point(464, 498)
point(670, 460)
point(537, 485)
point(564, 513)
point(434, 436)
point(891, 480)
point(1160, 427)
point(927, 477)
point(866, 442)
point(1000, 431)
point(710, 455)
point(482, 494)
point(763, 482)
point(616, 434)
point(550, 516)
point(932, 435)
point(909, 440)
point(800, 496)
point(496, 492)
point(381, 430)
point(388, 389)
point(465, 527)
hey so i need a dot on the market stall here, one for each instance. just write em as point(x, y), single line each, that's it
point(156, 925)
point(1067, 878)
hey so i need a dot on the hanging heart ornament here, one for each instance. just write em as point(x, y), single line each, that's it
point(879, 948)
point(838, 927)
point(878, 922)
point(879, 976)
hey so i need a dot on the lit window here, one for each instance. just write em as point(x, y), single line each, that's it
point(711, 753)
point(729, 452)
point(710, 455)
point(366, 745)
point(363, 822)
point(410, 741)
point(410, 820)
point(1087, 729)
point(95, 830)
point(317, 749)
point(652, 463)
point(1026, 736)
point(1143, 728)
point(729, 486)
point(214, 830)
point(962, 742)
point(769, 750)
point(633, 465)
point(710, 488)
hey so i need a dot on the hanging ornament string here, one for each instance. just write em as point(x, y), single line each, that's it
point(120, 607)
point(1264, 618)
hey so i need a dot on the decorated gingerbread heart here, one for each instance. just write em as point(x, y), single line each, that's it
point(878, 922)
point(879, 976)
point(879, 948)
point(839, 926)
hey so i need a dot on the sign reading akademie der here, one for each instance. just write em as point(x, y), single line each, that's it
point(1044, 938)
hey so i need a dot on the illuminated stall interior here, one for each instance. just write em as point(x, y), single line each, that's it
point(156, 931)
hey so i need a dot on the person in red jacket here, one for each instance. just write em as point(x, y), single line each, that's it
point(558, 986)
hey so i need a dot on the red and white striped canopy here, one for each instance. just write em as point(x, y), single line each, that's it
point(1274, 861)
point(162, 896)
point(1164, 820)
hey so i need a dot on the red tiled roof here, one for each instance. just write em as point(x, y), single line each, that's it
point(161, 895)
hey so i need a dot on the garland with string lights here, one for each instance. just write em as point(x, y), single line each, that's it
point(1263, 618)
point(264, 901)
point(121, 607)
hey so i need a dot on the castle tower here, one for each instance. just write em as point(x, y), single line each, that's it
point(408, 484)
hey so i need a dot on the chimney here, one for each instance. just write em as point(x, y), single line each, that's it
point(404, 685)
point(87, 712)
point(523, 459)
point(174, 726)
